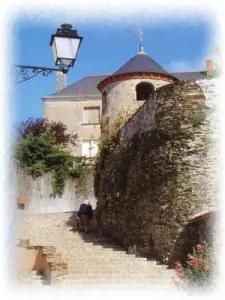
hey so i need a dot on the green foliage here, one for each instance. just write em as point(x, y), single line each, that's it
point(44, 152)
point(81, 166)
point(42, 126)
point(33, 152)
point(199, 118)
point(106, 146)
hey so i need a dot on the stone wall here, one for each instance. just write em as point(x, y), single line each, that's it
point(37, 193)
point(163, 171)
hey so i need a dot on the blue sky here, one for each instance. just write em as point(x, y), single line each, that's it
point(176, 45)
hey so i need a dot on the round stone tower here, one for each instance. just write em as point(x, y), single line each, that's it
point(127, 89)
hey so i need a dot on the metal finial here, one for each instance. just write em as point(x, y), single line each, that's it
point(66, 26)
point(141, 41)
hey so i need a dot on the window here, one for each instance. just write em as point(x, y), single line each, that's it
point(91, 115)
point(89, 148)
point(144, 91)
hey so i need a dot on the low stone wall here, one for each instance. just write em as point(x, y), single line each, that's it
point(37, 193)
point(163, 171)
point(33, 259)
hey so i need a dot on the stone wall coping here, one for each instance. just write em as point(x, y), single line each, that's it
point(201, 215)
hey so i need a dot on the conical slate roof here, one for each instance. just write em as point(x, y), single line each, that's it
point(141, 62)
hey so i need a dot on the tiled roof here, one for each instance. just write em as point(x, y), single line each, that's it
point(141, 63)
point(191, 75)
point(86, 87)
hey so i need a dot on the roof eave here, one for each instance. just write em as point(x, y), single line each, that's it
point(71, 97)
point(125, 76)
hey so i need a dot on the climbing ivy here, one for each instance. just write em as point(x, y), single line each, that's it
point(199, 118)
point(110, 139)
point(43, 150)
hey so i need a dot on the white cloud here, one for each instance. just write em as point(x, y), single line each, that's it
point(196, 64)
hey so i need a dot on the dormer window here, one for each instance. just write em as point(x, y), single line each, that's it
point(144, 91)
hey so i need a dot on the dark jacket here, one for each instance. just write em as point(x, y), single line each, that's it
point(86, 209)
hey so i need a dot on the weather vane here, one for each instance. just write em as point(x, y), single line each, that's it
point(140, 34)
point(141, 40)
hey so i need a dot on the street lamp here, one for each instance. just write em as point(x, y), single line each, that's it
point(65, 45)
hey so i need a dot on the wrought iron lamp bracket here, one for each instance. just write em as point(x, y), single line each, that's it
point(28, 72)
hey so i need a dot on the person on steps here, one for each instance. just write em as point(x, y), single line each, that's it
point(84, 215)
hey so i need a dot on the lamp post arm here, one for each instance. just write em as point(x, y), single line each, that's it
point(28, 72)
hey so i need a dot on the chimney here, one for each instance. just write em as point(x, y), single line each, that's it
point(61, 81)
point(209, 68)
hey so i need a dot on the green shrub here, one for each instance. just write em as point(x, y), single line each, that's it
point(40, 151)
point(199, 270)
point(42, 126)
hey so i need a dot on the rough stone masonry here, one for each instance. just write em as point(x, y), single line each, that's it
point(164, 170)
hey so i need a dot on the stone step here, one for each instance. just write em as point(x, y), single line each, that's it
point(114, 277)
point(95, 257)
point(162, 288)
point(89, 259)
point(114, 272)
point(33, 277)
point(52, 228)
point(73, 238)
point(85, 249)
point(74, 245)
point(119, 266)
point(36, 283)
point(64, 238)
point(116, 263)
point(117, 276)
point(115, 281)
point(122, 281)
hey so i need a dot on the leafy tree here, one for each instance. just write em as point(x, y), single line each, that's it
point(37, 127)
point(41, 148)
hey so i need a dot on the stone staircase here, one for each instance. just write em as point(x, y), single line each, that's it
point(81, 258)
point(32, 278)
